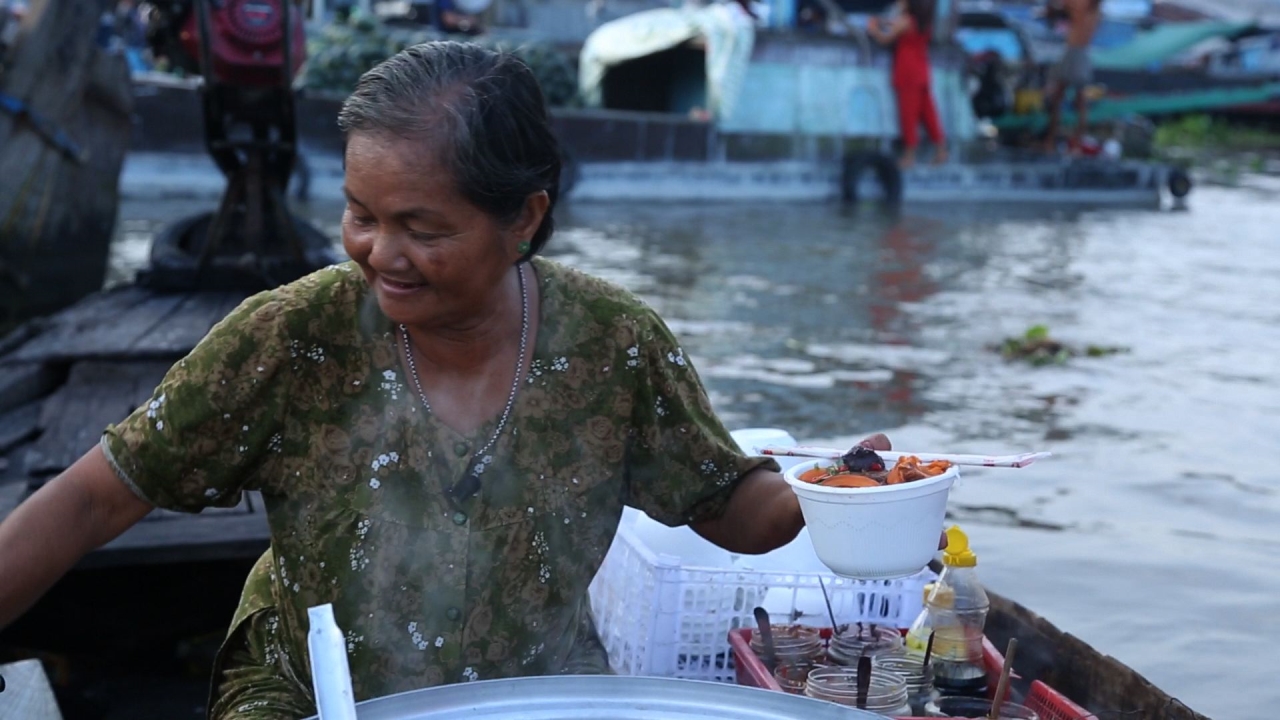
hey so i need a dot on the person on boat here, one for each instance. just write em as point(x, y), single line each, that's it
point(444, 430)
point(909, 33)
point(453, 19)
point(1074, 71)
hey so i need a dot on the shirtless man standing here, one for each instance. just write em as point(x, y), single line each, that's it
point(1075, 70)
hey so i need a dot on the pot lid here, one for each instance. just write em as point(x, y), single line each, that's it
point(601, 697)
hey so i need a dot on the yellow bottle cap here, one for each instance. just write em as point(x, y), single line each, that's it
point(958, 553)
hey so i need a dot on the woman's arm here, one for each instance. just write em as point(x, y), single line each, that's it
point(886, 35)
point(81, 509)
point(763, 514)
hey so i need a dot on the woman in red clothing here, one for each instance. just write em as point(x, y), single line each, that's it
point(909, 32)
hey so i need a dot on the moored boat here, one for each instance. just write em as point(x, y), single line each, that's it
point(64, 128)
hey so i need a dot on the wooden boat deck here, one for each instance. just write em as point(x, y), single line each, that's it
point(63, 379)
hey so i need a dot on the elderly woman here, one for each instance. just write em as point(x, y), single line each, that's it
point(445, 430)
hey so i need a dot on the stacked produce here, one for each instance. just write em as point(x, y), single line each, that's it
point(340, 53)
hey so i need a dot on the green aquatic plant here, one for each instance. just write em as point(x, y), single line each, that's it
point(1037, 347)
point(1225, 149)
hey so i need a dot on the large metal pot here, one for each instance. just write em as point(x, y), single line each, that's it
point(591, 697)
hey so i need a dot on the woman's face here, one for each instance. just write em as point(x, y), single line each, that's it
point(432, 259)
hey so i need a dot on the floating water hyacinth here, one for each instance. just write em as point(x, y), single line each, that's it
point(1036, 347)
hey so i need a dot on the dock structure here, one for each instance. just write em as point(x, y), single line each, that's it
point(65, 378)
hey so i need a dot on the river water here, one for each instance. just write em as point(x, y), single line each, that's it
point(1152, 531)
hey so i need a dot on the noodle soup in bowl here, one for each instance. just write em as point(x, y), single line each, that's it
point(879, 532)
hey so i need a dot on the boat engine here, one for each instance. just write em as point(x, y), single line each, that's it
point(247, 53)
point(246, 42)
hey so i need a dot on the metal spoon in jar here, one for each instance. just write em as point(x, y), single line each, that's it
point(766, 637)
point(835, 629)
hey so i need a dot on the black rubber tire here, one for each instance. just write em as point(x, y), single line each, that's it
point(887, 172)
point(174, 258)
point(1179, 183)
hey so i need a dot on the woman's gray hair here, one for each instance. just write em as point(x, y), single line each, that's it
point(488, 113)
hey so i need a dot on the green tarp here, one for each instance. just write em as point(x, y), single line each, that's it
point(1165, 42)
point(1153, 105)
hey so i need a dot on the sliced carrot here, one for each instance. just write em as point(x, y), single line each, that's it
point(909, 469)
point(849, 480)
point(937, 467)
point(814, 475)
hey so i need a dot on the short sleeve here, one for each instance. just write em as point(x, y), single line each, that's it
point(682, 464)
point(215, 418)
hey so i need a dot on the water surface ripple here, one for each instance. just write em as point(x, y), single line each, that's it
point(1152, 533)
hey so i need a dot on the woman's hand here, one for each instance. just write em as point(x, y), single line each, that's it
point(878, 442)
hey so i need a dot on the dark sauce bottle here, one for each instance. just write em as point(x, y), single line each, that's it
point(960, 680)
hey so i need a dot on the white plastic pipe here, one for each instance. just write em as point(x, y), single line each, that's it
point(330, 674)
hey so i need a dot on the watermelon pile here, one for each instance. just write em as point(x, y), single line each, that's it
point(340, 53)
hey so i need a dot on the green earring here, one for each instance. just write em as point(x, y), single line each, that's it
point(523, 248)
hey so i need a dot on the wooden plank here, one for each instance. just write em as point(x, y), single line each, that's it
point(96, 395)
point(20, 384)
point(96, 311)
point(117, 337)
point(11, 494)
point(19, 425)
point(110, 333)
point(21, 334)
point(27, 694)
point(187, 326)
point(189, 539)
point(131, 324)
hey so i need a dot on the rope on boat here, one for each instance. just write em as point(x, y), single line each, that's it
point(44, 127)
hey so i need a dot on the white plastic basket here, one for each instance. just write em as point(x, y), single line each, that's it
point(660, 619)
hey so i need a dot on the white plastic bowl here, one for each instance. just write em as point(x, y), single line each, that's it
point(874, 533)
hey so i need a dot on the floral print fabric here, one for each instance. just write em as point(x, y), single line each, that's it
point(300, 394)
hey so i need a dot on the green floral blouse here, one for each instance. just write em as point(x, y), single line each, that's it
point(299, 393)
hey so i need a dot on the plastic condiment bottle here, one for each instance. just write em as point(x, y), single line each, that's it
point(330, 673)
point(956, 609)
point(917, 640)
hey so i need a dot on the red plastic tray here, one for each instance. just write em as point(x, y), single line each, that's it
point(1048, 703)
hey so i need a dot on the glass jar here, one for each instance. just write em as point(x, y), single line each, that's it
point(794, 677)
point(793, 644)
point(886, 695)
point(919, 677)
point(963, 707)
point(857, 640)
